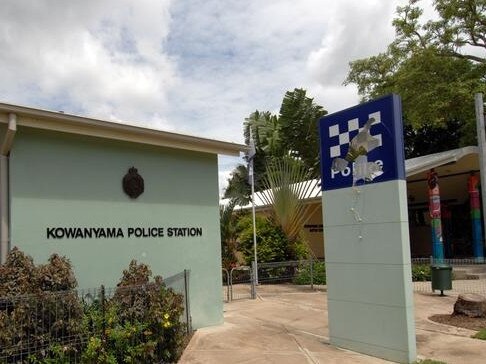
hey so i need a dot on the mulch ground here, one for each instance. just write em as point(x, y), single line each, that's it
point(471, 323)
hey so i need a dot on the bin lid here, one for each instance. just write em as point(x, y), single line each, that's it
point(441, 266)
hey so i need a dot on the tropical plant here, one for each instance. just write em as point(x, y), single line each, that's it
point(140, 324)
point(238, 189)
point(265, 131)
point(421, 272)
point(227, 229)
point(38, 308)
point(430, 64)
point(291, 133)
point(304, 273)
point(298, 119)
point(460, 28)
point(272, 244)
point(42, 315)
point(288, 186)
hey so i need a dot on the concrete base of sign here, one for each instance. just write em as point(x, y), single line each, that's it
point(368, 267)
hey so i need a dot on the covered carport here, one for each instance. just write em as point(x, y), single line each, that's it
point(453, 169)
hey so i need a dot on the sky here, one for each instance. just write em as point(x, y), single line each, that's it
point(190, 66)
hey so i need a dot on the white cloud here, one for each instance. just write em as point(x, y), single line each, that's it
point(195, 66)
point(99, 58)
point(358, 30)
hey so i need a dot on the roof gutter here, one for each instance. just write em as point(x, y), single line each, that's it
point(5, 148)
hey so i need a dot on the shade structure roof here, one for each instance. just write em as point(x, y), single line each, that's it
point(453, 167)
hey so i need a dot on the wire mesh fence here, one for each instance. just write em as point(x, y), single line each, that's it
point(453, 261)
point(459, 286)
point(299, 276)
point(179, 283)
point(468, 274)
point(241, 283)
point(272, 278)
point(226, 285)
point(290, 276)
point(65, 326)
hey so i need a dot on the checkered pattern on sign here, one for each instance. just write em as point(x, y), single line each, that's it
point(340, 140)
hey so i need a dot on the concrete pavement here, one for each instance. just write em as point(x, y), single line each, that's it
point(292, 328)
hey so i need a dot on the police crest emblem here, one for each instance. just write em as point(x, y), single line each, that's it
point(133, 183)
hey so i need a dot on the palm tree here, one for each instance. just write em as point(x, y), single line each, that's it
point(287, 185)
point(228, 234)
point(239, 190)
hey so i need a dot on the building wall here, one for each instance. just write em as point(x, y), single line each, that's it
point(63, 180)
point(313, 231)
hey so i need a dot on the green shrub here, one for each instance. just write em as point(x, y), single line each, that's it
point(38, 307)
point(304, 273)
point(140, 324)
point(420, 272)
point(272, 244)
point(481, 334)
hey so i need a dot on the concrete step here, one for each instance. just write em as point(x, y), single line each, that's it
point(469, 271)
point(478, 269)
point(475, 276)
point(460, 273)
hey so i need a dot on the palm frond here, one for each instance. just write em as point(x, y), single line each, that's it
point(287, 185)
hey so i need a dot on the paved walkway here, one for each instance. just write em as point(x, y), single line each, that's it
point(292, 328)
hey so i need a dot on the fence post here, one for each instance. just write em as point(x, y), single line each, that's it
point(227, 284)
point(103, 315)
point(312, 272)
point(186, 297)
point(231, 284)
point(253, 279)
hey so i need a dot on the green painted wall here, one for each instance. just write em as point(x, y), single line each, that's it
point(63, 180)
point(369, 283)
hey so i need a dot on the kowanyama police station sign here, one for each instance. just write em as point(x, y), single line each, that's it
point(117, 232)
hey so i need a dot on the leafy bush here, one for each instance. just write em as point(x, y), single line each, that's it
point(40, 309)
point(421, 272)
point(141, 323)
point(47, 312)
point(18, 275)
point(304, 273)
point(272, 244)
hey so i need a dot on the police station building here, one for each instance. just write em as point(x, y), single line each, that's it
point(103, 193)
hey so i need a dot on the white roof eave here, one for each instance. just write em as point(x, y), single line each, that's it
point(413, 166)
point(62, 122)
point(418, 165)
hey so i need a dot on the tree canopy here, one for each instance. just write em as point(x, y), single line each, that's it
point(293, 132)
point(436, 66)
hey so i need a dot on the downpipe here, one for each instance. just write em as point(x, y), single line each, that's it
point(4, 187)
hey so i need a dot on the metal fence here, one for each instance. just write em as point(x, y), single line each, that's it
point(272, 278)
point(459, 286)
point(44, 325)
point(290, 277)
point(468, 275)
point(307, 275)
point(179, 283)
point(226, 285)
point(453, 261)
point(241, 283)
